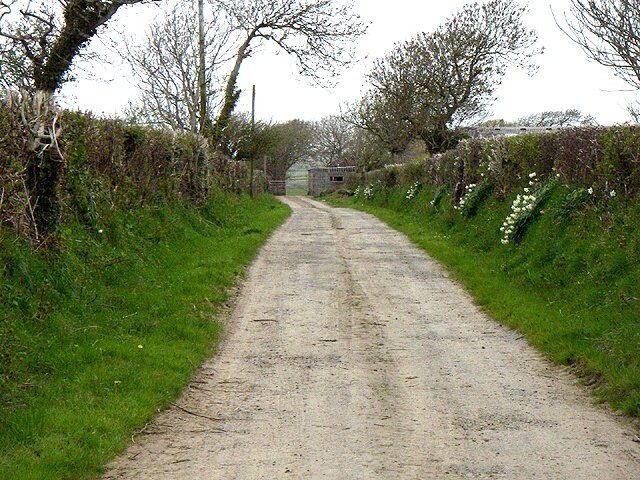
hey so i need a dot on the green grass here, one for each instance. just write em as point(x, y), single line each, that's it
point(297, 181)
point(571, 286)
point(74, 382)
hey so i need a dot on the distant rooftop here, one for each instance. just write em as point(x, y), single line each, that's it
point(334, 169)
point(484, 132)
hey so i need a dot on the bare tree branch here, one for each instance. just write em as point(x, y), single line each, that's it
point(319, 34)
point(166, 66)
point(332, 143)
point(38, 44)
point(609, 33)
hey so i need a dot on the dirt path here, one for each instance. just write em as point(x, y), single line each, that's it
point(352, 356)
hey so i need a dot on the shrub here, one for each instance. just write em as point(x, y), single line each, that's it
point(414, 172)
point(620, 164)
point(584, 156)
point(109, 164)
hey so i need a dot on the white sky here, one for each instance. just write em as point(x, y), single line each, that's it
point(566, 79)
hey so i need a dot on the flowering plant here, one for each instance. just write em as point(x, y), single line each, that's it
point(413, 191)
point(525, 208)
point(371, 191)
point(474, 195)
point(438, 196)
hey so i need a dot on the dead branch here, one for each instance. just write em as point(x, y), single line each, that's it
point(215, 419)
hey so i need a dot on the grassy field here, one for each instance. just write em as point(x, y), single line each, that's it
point(571, 285)
point(297, 181)
point(103, 331)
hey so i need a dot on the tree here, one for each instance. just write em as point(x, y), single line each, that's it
point(559, 118)
point(49, 38)
point(332, 141)
point(447, 78)
point(494, 123)
point(385, 115)
point(38, 46)
point(609, 33)
point(318, 33)
point(203, 99)
point(282, 144)
point(291, 142)
point(170, 72)
point(368, 152)
point(246, 140)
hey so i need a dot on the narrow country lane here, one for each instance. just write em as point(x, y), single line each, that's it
point(351, 355)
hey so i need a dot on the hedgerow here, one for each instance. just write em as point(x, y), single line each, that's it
point(604, 159)
point(596, 164)
point(109, 164)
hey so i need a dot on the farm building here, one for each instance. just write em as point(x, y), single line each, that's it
point(327, 179)
point(490, 132)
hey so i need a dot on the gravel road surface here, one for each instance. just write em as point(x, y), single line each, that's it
point(352, 355)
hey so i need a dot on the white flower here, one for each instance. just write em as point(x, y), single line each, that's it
point(612, 193)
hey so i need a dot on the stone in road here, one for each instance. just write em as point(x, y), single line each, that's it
point(351, 355)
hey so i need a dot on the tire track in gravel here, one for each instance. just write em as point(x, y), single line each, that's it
point(351, 355)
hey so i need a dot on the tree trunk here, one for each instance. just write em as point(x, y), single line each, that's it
point(202, 83)
point(231, 96)
point(44, 175)
point(45, 167)
point(80, 24)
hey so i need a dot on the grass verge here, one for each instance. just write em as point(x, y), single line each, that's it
point(102, 332)
point(571, 285)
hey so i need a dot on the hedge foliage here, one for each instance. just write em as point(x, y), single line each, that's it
point(605, 159)
point(111, 164)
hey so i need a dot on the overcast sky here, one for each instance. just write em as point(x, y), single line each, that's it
point(565, 79)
